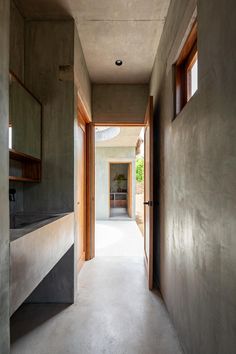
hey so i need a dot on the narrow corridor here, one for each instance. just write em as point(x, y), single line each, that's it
point(114, 313)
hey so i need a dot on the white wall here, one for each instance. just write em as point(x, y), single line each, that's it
point(104, 155)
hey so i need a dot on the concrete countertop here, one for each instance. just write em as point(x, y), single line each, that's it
point(17, 233)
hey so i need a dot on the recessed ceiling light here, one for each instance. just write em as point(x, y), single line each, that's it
point(119, 62)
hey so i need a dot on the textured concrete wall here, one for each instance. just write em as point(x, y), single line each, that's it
point(119, 103)
point(197, 179)
point(49, 56)
point(25, 114)
point(49, 74)
point(104, 155)
point(4, 158)
point(82, 80)
point(17, 48)
point(17, 42)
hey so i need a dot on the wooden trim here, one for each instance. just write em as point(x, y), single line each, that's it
point(30, 167)
point(118, 124)
point(149, 130)
point(189, 44)
point(82, 110)
point(150, 282)
point(23, 179)
point(90, 191)
point(184, 62)
point(130, 191)
point(20, 156)
point(81, 262)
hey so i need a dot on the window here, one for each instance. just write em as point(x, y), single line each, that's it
point(10, 137)
point(186, 71)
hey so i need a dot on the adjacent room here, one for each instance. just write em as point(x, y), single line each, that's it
point(116, 179)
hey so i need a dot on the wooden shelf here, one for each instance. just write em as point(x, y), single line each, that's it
point(22, 179)
point(29, 167)
point(20, 156)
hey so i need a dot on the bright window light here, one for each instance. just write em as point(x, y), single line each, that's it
point(10, 137)
point(193, 79)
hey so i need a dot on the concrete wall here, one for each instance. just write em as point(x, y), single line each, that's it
point(119, 103)
point(49, 75)
point(4, 163)
point(103, 156)
point(16, 65)
point(81, 75)
point(17, 42)
point(197, 180)
point(52, 66)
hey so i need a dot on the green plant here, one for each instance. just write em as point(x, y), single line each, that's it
point(120, 178)
point(140, 169)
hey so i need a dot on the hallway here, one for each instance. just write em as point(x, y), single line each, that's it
point(118, 238)
point(115, 313)
point(117, 177)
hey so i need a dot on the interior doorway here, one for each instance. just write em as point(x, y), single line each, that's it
point(98, 180)
point(120, 189)
point(116, 229)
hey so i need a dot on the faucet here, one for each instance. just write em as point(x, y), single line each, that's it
point(12, 193)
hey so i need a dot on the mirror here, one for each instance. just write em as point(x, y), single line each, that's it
point(25, 120)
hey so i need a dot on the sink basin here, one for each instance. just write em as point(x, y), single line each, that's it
point(22, 224)
point(20, 221)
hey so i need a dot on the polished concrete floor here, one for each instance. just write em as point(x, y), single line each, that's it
point(115, 313)
point(118, 238)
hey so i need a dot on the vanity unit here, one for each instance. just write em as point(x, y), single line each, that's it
point(41, 243)
point(37, 244)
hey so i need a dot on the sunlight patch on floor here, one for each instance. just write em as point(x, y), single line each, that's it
point(118, 238)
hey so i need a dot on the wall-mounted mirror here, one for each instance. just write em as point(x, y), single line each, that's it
point(25, 120)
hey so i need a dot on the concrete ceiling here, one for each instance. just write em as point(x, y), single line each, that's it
point(127, 137)
point(110, 29)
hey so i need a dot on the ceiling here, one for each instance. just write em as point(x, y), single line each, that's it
point(109, 30)
point(127, 137)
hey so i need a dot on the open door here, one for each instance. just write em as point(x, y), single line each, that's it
point(129, 197)
point(80, 194)
point(90, 191)
point(148, 192)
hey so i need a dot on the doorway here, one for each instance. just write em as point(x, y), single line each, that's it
point(98, 165)
point(116, 229)
point(120, 189)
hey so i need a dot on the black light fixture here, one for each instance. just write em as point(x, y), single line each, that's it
point(119, 62)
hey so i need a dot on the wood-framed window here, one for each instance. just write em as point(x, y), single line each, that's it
point(186, 71)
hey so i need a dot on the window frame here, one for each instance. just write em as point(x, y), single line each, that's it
point(187, 58)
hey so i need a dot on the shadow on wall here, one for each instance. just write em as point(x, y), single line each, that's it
point(31, 316)
point(156, 193)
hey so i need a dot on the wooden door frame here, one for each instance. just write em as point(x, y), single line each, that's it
point(82, 126)
point(130, 190)
point(86, 124)
point(149, 261)
point(129, 182)
point(90, 195)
